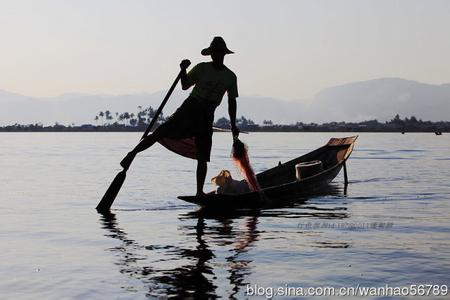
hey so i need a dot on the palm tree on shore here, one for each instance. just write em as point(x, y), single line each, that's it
point(126, 116)
point(141, 116)
point(120, 118)
point(108, 116)
point(101, 114)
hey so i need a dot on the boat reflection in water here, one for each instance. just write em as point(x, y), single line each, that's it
point(214, 255)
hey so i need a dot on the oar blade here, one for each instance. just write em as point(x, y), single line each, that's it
point(105, 204)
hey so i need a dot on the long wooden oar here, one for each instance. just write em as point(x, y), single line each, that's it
point(105, 204)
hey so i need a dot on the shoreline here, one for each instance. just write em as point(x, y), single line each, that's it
point(223, 130)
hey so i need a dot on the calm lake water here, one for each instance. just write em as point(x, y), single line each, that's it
point(392, 227)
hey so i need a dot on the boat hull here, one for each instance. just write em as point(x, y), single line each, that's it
point(279, 184)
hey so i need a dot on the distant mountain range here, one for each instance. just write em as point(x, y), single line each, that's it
point(358, 101)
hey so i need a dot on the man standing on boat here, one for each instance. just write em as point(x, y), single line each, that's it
point(189, 130)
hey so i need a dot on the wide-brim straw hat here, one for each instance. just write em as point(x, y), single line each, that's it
point(217, 44)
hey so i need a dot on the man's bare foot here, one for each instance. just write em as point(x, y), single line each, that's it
point(128, 159)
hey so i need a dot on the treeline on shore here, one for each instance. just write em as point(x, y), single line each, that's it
point(105, 121)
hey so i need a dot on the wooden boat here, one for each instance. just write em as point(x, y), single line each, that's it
point(279, 184)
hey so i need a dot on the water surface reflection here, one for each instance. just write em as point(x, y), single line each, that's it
point(214, 250)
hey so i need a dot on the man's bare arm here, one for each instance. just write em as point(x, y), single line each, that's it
point(232, 107)
point(185, 84)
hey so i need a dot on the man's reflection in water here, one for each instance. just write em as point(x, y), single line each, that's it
point(195, 275)
point(191, 281)
point(188, 281)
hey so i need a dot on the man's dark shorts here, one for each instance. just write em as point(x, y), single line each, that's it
point(194, 118)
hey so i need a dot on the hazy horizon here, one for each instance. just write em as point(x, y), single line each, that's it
point(286, 50)
point(178, 88)
point(180, 91)
point(357, 101)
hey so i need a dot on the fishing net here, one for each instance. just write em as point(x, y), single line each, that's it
point(240, 158)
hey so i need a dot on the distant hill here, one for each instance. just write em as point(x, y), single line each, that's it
point(383, 98)
point(374, 99)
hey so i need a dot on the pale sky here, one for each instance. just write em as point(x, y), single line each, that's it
point(284, 49)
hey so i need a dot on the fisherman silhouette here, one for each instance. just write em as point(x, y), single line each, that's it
point(189, 130)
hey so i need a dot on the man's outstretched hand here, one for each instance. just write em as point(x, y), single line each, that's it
point(185, 63)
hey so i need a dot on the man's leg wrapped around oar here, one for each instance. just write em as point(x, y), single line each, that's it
point(187, 132)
